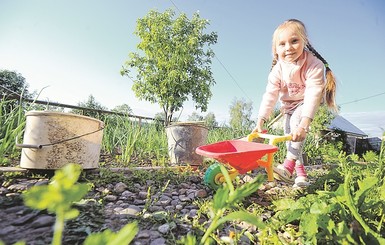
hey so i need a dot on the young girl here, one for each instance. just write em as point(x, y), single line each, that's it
point(297, 78)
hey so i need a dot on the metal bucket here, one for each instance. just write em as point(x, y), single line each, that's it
point(183, 139)
point(54, 139)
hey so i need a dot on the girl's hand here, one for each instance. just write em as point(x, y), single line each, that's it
point(259, 127)
point(299, 134)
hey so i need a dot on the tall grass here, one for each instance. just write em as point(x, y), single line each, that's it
point(131, 142)
point(128, 140)
point(12, 123)
point(225, 133)
point(152, 144)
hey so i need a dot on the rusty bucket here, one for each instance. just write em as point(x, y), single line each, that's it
point(183, 138)
point(54, 139)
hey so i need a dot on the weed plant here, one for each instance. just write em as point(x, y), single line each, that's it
point(224, 208)
point(350, 209)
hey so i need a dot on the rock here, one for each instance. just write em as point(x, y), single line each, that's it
point(110, 198)
point(164, 200)
point(24, 219)
point(18, 209)
point(120, 187)
point(43, 221)
point(42, 182)
point(8, 229)
point(132, 210)
point(183, 198)
point(178, 207)
point(143, 234)
point(159, 241)
point(4, 190)
point(201, 193)
point(139, 202)
point(193, 213)
point(142, 195)
point(164, 229)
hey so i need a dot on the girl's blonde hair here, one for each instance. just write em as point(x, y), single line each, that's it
point(299, 28)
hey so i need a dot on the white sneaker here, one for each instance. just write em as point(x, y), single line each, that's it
point(281, 173)
point(301, 182)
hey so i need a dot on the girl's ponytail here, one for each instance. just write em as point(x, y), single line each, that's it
point(275, 60)
point(331, 84)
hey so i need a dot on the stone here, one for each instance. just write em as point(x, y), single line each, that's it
point(43, 221)
point(201, 193)
point(164, 229)
point(132, 210)
point(159, 241)
point(110, 198)
point(142, 195)
point(120, 187)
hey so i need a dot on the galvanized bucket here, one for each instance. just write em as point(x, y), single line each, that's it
point(183, 139)
point(54, 139)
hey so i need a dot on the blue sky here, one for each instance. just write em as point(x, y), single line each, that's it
point(77, 48)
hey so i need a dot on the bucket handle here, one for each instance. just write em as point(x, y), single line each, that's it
point(55, 143)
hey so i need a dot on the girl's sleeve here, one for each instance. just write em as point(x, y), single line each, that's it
point(315, 83)
point(271, 94)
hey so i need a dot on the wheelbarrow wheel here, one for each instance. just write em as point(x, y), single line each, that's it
point(213, 175)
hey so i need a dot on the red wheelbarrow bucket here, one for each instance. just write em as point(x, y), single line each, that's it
point(241, 155)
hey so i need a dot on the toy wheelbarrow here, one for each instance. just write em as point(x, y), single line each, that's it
point(242, 156)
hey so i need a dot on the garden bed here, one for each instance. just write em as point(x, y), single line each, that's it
point(167, 205)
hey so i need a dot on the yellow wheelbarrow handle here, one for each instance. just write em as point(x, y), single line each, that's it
point(273, 139)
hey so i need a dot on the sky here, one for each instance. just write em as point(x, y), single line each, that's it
point(69, 50)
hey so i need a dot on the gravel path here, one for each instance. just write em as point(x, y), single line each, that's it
point(112, 206)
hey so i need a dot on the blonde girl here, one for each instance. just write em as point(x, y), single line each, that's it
point(301, 79)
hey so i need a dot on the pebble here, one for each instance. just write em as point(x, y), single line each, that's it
point(120, 187)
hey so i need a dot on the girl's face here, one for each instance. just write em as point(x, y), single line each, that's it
point(289, 46)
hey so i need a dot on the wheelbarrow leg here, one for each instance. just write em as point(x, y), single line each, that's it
point(269, 167)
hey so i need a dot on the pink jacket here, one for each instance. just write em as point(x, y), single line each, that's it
point(294, 83)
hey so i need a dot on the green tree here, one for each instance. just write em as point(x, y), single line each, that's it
point(319, 141)
point(322, 119)
point(13, 83)
point(13, 86)
point(92, 104)
point(173, 62)
point(210, 120)
point(240, 114)
point(195, 116)
point(159, 120)
point(124, 108)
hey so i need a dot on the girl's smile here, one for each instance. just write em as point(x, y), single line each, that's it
point(289, 46)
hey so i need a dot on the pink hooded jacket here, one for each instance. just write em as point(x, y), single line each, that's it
point(295, 83)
